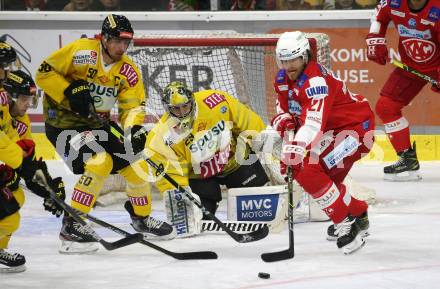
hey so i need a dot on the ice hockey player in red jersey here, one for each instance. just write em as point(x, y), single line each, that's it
point(333, 128)
point(417, 22)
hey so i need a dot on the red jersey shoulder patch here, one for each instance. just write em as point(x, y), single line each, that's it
point(214, 99)
point(130, 73)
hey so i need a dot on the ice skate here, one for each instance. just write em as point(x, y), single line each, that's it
point(405, 169)
point(11, 263)
point(349, 238)
point(149, 226)
point(363, 223)
point(75, 239)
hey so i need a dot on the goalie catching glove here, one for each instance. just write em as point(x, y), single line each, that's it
point(182, 213)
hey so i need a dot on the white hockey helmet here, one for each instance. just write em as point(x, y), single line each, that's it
point(291, 45)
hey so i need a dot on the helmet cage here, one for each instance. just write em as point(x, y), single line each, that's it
point(175, 96)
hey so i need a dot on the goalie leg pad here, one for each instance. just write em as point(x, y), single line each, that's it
point(182, 214)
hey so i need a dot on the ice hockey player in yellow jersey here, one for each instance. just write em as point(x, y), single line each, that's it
point(204, 140)
point(82, 82)
point(17, 94)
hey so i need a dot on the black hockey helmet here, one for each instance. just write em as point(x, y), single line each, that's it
point(117, 26)
point(7, 54)
point(20, 83)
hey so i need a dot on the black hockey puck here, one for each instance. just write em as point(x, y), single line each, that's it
point(264, 275)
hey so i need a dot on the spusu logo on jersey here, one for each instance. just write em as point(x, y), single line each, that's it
point(209, 139)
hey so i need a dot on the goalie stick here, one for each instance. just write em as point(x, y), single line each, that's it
point(176, 255)
point(289, 252)
point(241, 238)
point(413, 71)
point(127, 240)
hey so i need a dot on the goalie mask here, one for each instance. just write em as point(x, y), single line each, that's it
point(21, 87)
point(292, 45)
point(179, 102)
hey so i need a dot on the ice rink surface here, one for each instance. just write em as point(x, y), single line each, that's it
point(402, 252)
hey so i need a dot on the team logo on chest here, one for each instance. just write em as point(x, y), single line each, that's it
point(419, 50)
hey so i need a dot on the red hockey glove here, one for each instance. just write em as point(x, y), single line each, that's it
point(8, 178)
point(28, 146)
point(377, 50)
point(283, 122)
point(292, 155)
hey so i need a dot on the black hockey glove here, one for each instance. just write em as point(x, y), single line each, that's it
point(80, 100)
point(138, 138)
point(49, 204)
point(29, 165)
point(41, 185)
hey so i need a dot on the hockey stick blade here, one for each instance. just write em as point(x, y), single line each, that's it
point(176, 255)
point(250, 237)
point(278, 256)
point(127, 240)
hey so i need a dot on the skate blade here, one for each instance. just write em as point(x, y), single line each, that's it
point(354, 246)
point(410, 176)
point(17, 269)
point(70, 248)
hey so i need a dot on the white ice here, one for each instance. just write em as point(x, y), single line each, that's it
point(401, 253)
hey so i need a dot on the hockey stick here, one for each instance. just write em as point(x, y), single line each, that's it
point(413, 71)
point(128, 240)
point(289, 252)
point(241, 238)
point(176, 255)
